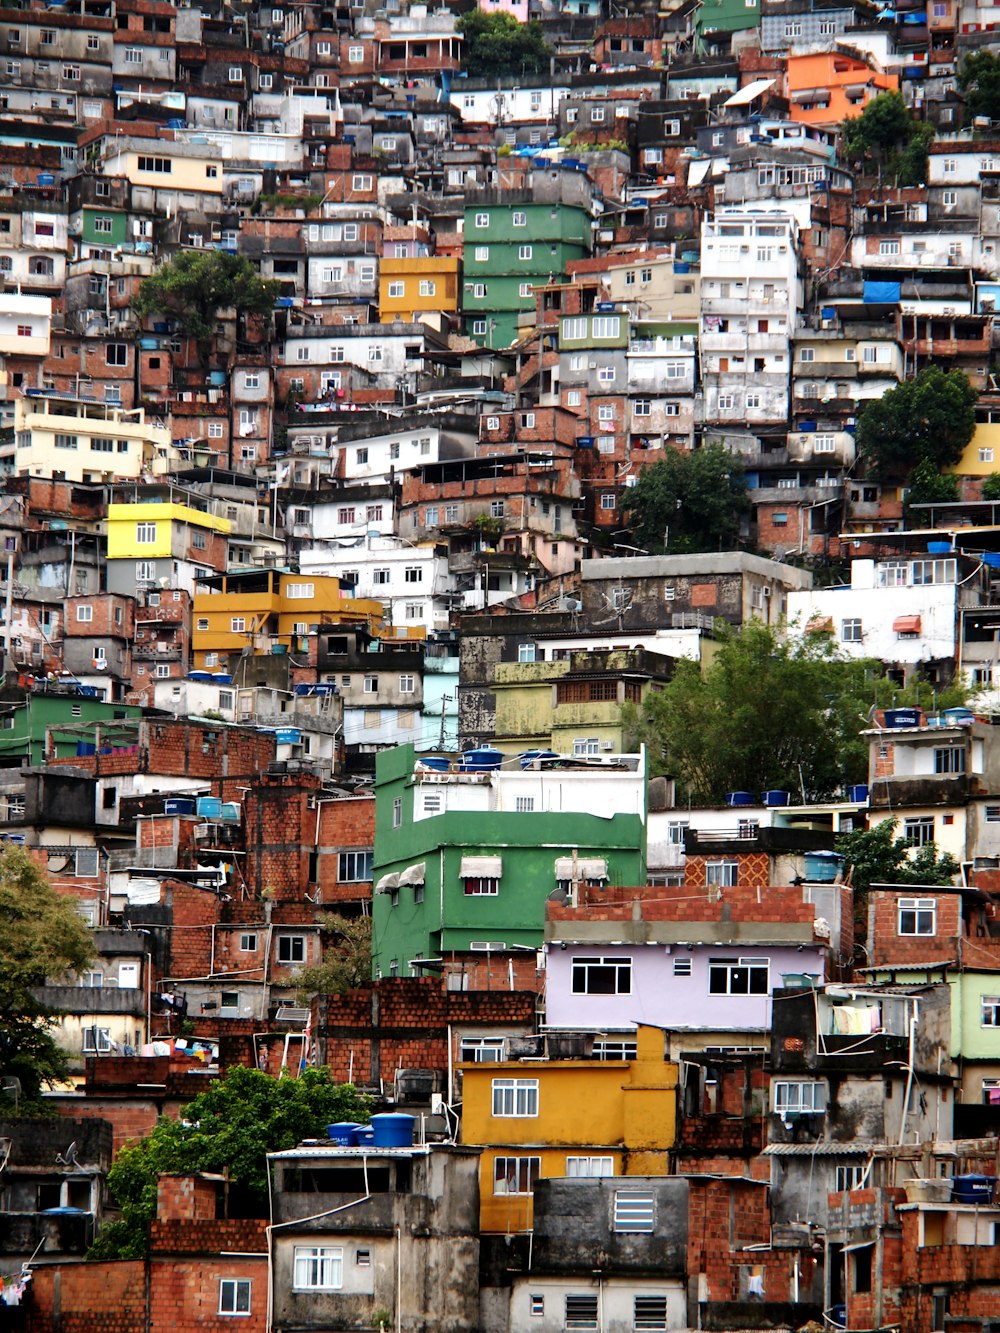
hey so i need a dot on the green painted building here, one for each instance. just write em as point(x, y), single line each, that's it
point(466, 859)
point(510, 249)
point(23, 725)
point(104, 226)
point(714, 22)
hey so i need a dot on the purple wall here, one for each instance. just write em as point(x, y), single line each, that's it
point(662, 999)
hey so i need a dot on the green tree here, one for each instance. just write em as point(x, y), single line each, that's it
point(232, 1126)
point(930, 418)
point(929, 486)
point(887, 141)
point(195, 285)
point(498, 44)
point(991, 487)
point(878, 856)
point(42, 938)
point(769, 711)
point(979, 80)
point(689, 501)
point(347, 958)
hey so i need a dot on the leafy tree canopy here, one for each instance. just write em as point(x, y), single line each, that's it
point(498, 44)
point(195, 285)
point(931, 417)
point(878, 856)
point(42, 938)
point(767, 712)
point(887, 140)
point(979, 80)
point(929, 486)
point(991, 487)
point(689, 501)
point(347, 958)
point(232, 1126)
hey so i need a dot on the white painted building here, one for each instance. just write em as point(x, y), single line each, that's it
point(751, 290)
point(365, 355)
point(25, 324)
point(413, 583)
point(506, 106)
point(901, 611)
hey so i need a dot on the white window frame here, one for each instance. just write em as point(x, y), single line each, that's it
point(318, 1268)
point(515, 1098)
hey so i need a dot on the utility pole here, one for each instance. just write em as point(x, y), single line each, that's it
point(445, 699)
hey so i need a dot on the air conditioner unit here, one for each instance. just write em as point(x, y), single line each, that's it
point(607, 745)
point(765, 592)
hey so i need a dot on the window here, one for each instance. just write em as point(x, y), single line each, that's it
point(888, 247)
point(396, 290)
point(738, 976)
point(524, 252)
point(264, 82)
point(526, 652)
point(480, 886)
point(406, 684)
point(642, 407)
point(215, 430)
point(299, 590)
point(66, 441)
point(361, 182)
point(237, 625)
point(536, 1306)
point(427, 287)
point(590, 1166)
point(482, 219)
point(85, 865)
point(807, 354)
point(917, 916)
point(160, 166)
point(602, 976)
point(919, 832)
point(145, 572)
point(682, 967)
point(370, 685)
point(949, 759)
point(318, 1268)
point(497, 508)
point(519, 219)
point(97, 1041)
point(721, 874)
point(798, 1098)
point(850, 631)
point(649, 1312)
point(515, 1097)
point(116, 354)
point(606, 326)
point(482, 1050)
point(525, 289)
point(355, 54)
point(633, 1211)
point(248, 942)
point(524, 804)
point(581, 1311)
point(849, 1178)
point(84, 613)
point(234, 1295)
point(397, 812)
point(354, 867)
point(291, 948)
point(515, 1175)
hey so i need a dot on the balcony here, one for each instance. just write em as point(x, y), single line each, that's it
point(931, 789)
point(147, 652)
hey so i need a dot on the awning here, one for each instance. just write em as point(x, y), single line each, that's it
point(697, 171)
point(906, 625)
point(592, 868)
point(481, 867)
point(811, 95)
point(857, 1245)
point(820, 625)
point(414, 874)
point(386, 883)
point(751, 91)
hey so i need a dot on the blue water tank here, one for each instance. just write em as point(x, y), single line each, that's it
point(858, 793)
point(776, 797)
point(392, 1130)
point(483, 760)
point(973, 1189)
point(939, 548)
point(209, 807)
point(179, 805)
point(902, 717)
point(823, 867)
point(344, 1133)
point(739, 798)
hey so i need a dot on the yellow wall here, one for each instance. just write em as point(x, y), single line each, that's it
point(186, 173)
point(440, 269)
point(625, 1109)
point(122, 519)
point(37, 422)
point(273, 613)
point(985, 436)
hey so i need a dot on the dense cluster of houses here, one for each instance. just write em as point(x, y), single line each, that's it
point(340, 618)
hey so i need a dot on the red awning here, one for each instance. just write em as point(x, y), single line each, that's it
point(906, 625)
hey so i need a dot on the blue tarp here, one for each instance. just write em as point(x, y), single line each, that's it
point(881, 293)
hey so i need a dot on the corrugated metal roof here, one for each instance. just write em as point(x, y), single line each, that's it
point(824, 1148)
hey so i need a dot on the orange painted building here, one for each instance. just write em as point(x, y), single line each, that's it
point(825, 89)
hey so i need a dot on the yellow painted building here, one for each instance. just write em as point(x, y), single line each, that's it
point(166, 166)
point(577, 1117)
point(80, 439)
point(149, 529)
point(410, 288)
point(981, 457)
point(269, 610)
